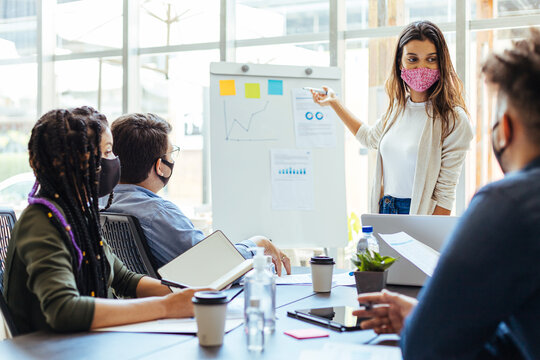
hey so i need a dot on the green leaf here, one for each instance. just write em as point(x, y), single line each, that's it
point(372, 261)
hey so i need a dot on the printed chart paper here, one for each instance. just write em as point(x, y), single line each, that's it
point(315, 125)
point(421, 255)
point(292, 179)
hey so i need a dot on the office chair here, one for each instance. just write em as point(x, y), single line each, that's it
point(126, 238)
point(7, 221)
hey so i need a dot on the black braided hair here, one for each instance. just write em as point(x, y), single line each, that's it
point(109, 201)
point(65, 156)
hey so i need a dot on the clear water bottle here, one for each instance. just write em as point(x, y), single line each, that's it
point(367, 241)
point(255, 326)
point(260, 284)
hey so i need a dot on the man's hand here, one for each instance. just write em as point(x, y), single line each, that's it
point(388, 313)
point(278, 256)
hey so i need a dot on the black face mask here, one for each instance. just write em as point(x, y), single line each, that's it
point(109, 176)
point(499, 151)
point(164, 179)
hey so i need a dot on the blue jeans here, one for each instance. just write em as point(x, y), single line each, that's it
point(392, 205)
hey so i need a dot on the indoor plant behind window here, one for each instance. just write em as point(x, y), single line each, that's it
point(372, 270)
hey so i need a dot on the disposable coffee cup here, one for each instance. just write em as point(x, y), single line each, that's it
point(210, 308)
point(322, 268)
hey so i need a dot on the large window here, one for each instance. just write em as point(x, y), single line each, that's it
point(362, 14)
point(87, 25)
point(18, 98)
point(175, 22)
point(482, 9)
point(175, 86)
point(482, 167)
point(261, 18)
point(75, 52)
point(95, 82)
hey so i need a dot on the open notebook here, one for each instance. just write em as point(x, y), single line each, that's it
point(214, 262)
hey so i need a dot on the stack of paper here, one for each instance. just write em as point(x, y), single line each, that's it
point(421, 255)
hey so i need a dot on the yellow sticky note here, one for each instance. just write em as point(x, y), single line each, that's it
point(253, 91)
point(227, 87)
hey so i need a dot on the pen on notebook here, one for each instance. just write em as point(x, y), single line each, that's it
point(173, 284)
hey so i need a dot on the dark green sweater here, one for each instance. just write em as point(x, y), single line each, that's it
point(39, 282)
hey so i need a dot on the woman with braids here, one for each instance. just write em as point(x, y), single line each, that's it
point(59, 273)
point(422, 139)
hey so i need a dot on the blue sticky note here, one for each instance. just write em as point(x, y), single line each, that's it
point(275, 87)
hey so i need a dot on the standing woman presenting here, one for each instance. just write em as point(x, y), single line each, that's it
point(422, 139)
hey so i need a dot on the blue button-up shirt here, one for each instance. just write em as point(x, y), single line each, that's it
point(167, 230)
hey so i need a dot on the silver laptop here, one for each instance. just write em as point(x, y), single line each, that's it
point(430, 230)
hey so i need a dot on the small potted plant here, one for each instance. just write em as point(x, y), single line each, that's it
point(372, 270)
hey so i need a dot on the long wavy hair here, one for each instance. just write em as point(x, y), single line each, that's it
point(444, 95)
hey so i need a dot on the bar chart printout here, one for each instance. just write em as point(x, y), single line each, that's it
point(292, 179)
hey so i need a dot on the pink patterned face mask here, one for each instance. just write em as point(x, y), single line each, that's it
point(420, 79)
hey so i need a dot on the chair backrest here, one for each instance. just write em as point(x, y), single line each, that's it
point(7, 221)
point(125, 236)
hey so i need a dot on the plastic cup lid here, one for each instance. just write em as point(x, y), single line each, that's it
point(322, 260)
point(209, 298)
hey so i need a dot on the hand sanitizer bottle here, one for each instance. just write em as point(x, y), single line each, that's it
point(259, 284)
point(255, 326)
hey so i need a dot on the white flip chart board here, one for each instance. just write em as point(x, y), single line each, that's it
point(277, 164)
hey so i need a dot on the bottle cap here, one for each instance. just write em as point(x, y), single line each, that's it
point(209, 298)
point(322, 260)
point(259, 260)
point(367, 229)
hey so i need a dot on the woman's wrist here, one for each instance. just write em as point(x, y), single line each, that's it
point(164, 306)
point(335, 103)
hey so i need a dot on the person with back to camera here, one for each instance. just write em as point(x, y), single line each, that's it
point(60, 274)
point(423, 137)
point(483, 300)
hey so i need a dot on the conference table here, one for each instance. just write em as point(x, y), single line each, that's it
point(118, 345)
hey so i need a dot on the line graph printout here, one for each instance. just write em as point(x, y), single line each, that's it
point(315, 125)
point(251, 124)
point(292, 179)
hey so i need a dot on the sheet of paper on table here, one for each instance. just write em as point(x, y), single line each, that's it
point(170, 326)
point(421, 255)
point(305, 279)
point(346, 351)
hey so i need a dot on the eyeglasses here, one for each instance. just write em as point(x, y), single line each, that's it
point(175, 152)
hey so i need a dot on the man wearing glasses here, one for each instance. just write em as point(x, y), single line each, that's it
point(147, 157)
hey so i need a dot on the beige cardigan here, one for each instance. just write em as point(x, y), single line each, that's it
point(438, 166)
